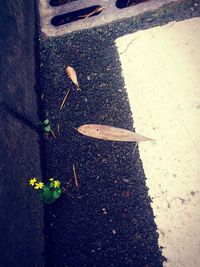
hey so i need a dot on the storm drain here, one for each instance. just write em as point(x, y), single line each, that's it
point(58, 17)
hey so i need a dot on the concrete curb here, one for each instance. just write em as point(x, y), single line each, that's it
point(21, 229)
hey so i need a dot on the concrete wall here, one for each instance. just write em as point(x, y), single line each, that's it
point(21, 213)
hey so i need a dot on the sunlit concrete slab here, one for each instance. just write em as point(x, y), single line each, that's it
point(161, 68)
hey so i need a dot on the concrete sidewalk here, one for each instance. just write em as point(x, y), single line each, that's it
point(162, 81)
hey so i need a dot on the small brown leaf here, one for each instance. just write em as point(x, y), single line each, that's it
point(111, 133)
point(72, 75)
point(97, 10)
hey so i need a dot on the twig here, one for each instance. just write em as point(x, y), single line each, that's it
point(46, 97)
point(97, 10)
point(134, 149)
point(58, 127)
point(75, 177)
point(129, 45)
point(52, 132)
point(64, 99)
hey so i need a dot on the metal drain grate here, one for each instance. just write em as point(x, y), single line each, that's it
point(58, 17)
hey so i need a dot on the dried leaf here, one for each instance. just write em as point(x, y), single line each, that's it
point(72, 75)
point(97, 10)
point(111, 133)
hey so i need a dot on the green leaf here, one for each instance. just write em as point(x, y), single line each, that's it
point(51, 185)
point(45, 187)
point(47, 196)
point(57, 193)
point(46, 122)
point(47, 129)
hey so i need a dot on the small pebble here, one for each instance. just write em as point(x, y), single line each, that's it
point(114, 232)
point(104, 211)
point(126, 180)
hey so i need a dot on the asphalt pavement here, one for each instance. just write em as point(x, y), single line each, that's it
point(108, 219)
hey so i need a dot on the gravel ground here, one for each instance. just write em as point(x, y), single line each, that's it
point(108, 220)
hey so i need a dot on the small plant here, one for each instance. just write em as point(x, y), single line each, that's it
point(49, 192)
point(47, 128)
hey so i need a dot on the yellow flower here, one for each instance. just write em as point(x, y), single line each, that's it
point(56, 184)
point(32, 181)
point(39, 185)
point(51, 179)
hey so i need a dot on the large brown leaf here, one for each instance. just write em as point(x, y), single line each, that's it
point(111, 133)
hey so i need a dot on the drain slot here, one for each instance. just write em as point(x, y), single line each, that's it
point(75, 16)
point(126, 3)
point(60, 2)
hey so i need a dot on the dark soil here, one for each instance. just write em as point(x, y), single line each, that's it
point(108, 219)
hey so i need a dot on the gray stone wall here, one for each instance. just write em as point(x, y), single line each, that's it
point(21, 213)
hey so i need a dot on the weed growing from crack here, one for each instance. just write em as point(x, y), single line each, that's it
point(49, 192)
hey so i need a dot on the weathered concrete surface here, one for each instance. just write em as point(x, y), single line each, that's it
point(162, 81)
point(21, 214)
point(109, 14)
